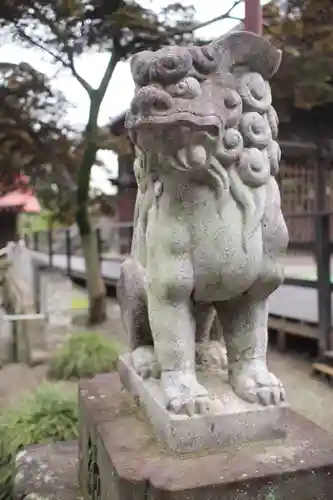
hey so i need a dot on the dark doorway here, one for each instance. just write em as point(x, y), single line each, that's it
point(8, 227)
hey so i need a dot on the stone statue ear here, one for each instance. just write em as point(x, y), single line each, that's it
point(243, 48)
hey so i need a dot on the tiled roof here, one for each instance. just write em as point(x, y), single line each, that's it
point(20, 201)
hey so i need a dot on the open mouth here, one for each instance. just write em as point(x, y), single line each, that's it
point(211, 124)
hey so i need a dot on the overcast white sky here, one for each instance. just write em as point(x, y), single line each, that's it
point(120, 90)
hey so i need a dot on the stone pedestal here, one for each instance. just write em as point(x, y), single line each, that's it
point(232, 420)
point(120, 458)
point(47, 471)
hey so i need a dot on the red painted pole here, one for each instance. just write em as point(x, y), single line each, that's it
point(253, 16)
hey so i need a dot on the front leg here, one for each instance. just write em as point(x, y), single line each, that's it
point(173, 327)
point(244, 322)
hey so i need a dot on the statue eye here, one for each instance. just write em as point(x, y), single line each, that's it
point(189, 88)
point(179, 89)
point(182, 86)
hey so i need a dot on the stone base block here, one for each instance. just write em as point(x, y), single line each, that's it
point(232, 421)
point(47, 472)
point(120, 458)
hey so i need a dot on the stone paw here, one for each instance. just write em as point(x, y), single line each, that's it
point(253, 382)
point(184, 395)
point(145, 362)
point(191, 406)
point(211, 355)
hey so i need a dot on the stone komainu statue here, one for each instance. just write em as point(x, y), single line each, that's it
point(208, 229)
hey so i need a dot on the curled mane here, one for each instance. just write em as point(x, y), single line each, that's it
point(248, 149)
point(226, 81)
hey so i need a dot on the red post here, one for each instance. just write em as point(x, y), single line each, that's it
point(253, 16)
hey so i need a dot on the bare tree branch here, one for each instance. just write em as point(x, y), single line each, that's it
point(226, 15)
point(71, 65)
point(113, 61)
point(156, 38)
point(235, 18)
point(23, 35)
point(67, 49)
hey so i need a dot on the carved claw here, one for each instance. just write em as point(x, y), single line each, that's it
point(190, 407)
point(204, 405)
point(209, 355)
point(253, 382)
point(184, 395)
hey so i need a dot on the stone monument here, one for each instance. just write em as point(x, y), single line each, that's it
point(209, 233)
point(56, 302)
point(208, 239)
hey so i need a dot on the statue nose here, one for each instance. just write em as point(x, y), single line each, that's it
point(149, 99)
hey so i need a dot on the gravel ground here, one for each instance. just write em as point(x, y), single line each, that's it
point(309, 396)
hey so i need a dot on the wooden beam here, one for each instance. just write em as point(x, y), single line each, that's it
point(253, 16)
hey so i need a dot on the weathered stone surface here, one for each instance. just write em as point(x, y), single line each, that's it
point(21, 268)
point(56, 294)
point(232, 421)
point(6, 340)
point(209, 234)
point(48, 472)
point(126, 462)
point(19, 297)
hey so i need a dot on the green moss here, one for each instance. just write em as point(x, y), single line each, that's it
point(80, 302)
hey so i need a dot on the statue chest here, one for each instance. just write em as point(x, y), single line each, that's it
point(226, 260)
point(211, 242)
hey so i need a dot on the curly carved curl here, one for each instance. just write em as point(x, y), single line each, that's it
point(140, 64)
point(234, 107)
point(255, 92)
point(231, 147)
point(149, 96)
point(204, 60)
point(170, 66)
point(273, 121)
point(255, 130)
point(253, 167)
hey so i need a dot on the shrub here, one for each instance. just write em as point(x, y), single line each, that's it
point(84, 355)
point(48, 414)
point(7, 470)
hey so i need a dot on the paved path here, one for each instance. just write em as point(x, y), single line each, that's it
point(288, 301)
point(295, 302)
point(110, 266)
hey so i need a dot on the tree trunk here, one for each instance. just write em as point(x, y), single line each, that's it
point(95, 284)
point(96, 287)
